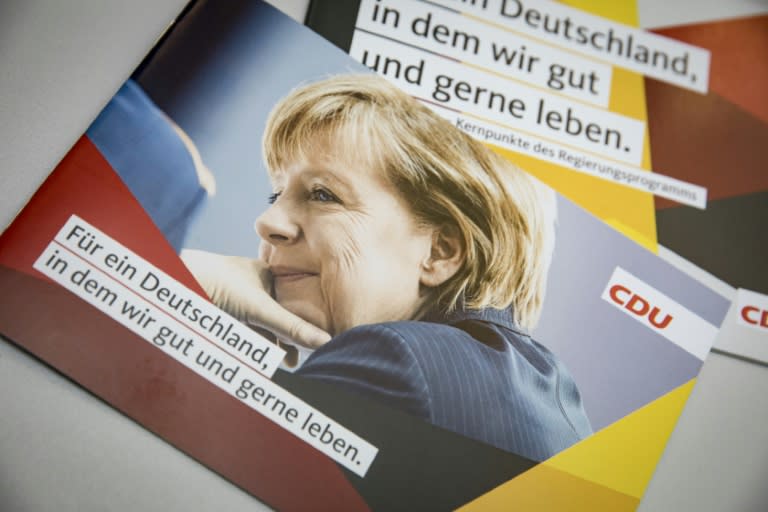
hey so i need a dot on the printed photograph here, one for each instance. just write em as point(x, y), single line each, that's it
point(431, 296)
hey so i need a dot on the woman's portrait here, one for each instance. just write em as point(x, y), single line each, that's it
point(407, 262)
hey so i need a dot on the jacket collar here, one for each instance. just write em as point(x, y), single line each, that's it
point(501, 317)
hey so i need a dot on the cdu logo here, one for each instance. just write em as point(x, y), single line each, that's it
point(752, 309)
point(659, 313)
point(640, 306)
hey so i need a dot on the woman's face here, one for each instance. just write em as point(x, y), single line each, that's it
point(343, 248)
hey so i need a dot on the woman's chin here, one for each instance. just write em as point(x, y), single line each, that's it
point(310, 313)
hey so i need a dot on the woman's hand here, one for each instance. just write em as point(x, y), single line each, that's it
point(241, 287)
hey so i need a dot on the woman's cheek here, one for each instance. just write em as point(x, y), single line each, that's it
point(343, 285)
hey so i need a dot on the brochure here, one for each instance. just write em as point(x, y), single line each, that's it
point(487, 337)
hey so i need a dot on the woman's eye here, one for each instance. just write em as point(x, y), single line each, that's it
point(322, 195)
point(273, 197)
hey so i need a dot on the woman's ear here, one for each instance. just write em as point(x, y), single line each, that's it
point(445, 258)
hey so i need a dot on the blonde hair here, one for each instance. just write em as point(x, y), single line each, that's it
point(504, 217)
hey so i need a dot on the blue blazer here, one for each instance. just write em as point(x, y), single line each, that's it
point(472, 372)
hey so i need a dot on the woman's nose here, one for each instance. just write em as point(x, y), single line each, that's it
point(276, 226)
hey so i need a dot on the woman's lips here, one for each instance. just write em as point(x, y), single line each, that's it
point(289, 274)
point(289, 278)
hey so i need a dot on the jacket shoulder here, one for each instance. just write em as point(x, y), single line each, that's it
point(375, 360)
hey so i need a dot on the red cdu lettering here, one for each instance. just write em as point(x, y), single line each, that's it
point(754, 316)
point(637, 305)
point(659, 325)
point(615, 289)
point(638, 300)
point(746, 312)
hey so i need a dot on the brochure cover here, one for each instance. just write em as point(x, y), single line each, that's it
point(291, 271)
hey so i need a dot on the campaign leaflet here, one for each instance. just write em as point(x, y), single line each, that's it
point(174, 164)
